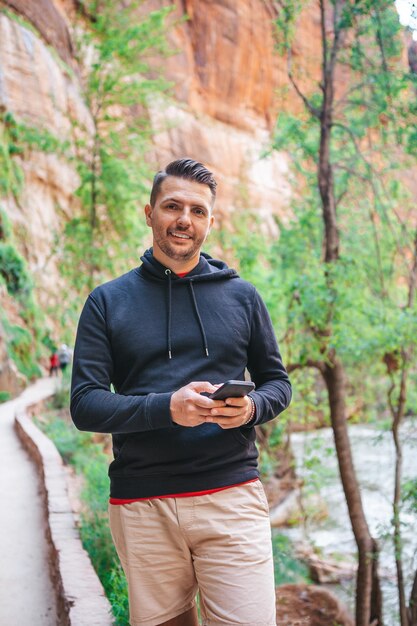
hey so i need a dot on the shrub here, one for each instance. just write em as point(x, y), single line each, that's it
point(21, 348)
point(5, 226)
point(13, 269)
point(287, 568)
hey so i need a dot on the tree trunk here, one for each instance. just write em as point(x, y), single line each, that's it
point(412, 611)
point(408, 617)
point(376, 594)
point(368, 596)
point(397, 420)
point(325, 182)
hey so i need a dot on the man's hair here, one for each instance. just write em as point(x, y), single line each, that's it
point(184, 168)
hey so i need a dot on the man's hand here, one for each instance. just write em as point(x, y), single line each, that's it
point(189, 408)
point(235, 413)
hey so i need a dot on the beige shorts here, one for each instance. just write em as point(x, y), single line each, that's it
point(219, 544)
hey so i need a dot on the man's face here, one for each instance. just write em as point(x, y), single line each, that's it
point(180, 220)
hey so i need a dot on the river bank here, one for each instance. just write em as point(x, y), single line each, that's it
point(374, 458)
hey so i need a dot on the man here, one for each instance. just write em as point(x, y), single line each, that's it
point(187, 510)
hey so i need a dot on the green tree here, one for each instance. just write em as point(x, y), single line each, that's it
point(345, 261)
point(119, 84)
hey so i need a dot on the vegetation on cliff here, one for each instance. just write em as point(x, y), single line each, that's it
point(28, 340)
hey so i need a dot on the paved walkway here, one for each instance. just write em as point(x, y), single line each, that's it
point(26, 594)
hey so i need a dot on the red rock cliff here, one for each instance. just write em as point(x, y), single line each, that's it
point(226, 75)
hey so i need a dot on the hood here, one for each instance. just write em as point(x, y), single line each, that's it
point(206, 270)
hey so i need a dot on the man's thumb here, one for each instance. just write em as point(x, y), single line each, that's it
point(202, 385)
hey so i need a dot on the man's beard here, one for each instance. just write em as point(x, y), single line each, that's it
point(176, 253)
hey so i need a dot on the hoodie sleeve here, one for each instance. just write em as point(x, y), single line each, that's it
point(93, 406)
point(273, 387)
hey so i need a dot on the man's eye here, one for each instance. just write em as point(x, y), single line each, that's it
point(171, 206)
point(199, 212)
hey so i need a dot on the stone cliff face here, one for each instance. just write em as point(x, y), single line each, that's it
point(225, 76)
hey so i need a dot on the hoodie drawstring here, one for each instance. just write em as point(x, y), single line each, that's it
point(197, 312)
point(168, 273)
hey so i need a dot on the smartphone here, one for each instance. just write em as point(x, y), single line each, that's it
point(232, 389)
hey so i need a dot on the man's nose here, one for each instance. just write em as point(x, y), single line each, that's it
point(184, 219)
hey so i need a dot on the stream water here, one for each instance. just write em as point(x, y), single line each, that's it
point(374, 459)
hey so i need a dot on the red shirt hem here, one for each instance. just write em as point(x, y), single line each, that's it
point(180, 495)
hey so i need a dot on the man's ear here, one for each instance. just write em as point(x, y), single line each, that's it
point(148, 214)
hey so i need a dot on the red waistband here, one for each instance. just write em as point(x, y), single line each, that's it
point(180, 495)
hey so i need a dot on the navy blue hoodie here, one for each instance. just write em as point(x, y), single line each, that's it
point(151, 332)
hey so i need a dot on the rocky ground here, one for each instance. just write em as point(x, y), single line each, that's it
point(309, 605)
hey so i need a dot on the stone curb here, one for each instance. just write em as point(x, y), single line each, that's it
point(80, 595)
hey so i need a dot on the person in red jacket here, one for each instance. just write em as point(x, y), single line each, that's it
point(53, 364)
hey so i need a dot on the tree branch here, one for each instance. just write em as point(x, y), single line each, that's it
point(371, 169)
point(319, 365)
point(315, 112)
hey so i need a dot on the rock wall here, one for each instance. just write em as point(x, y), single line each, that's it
point(227, 78)
point(50, 21)
point(43, 92)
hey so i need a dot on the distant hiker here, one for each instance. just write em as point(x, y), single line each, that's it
point(53, 364)
point(64, 356)
point(187, 509)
